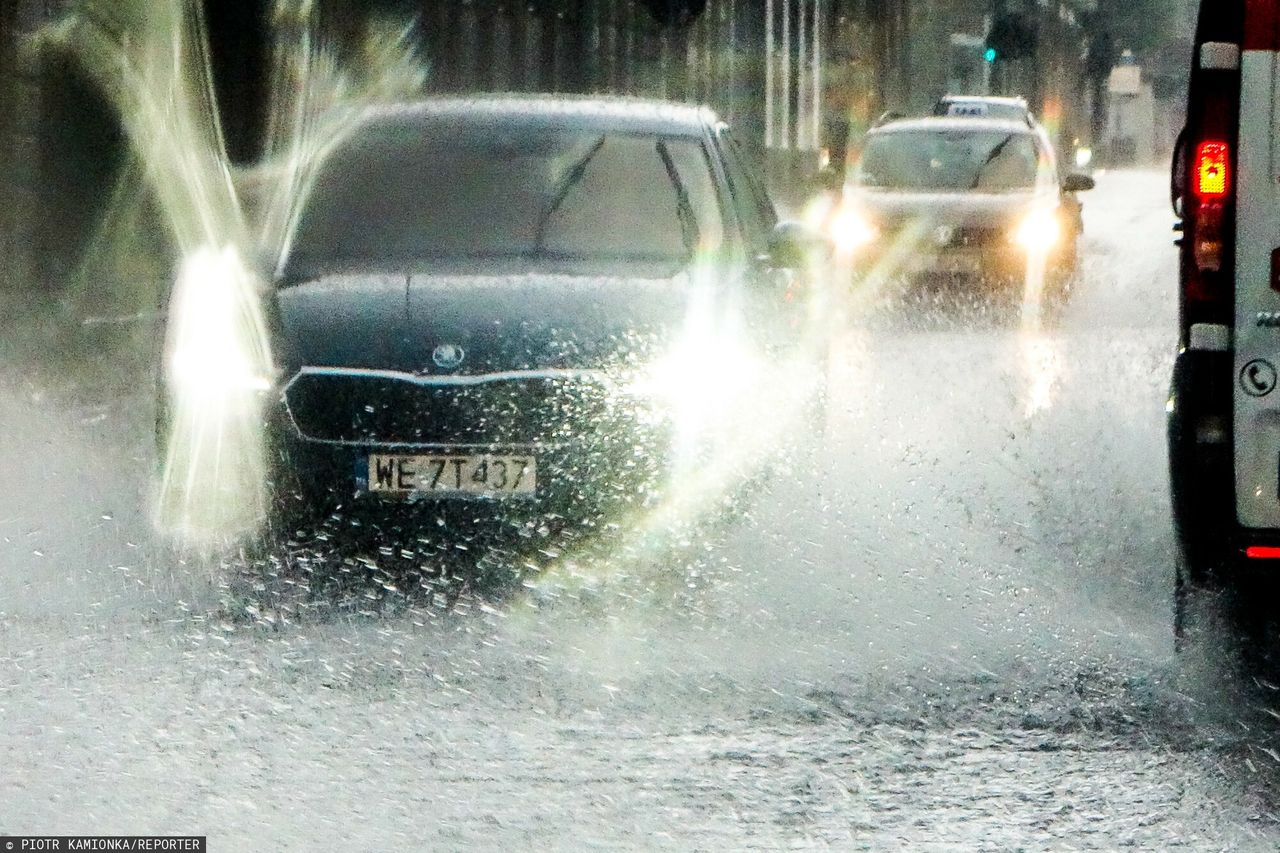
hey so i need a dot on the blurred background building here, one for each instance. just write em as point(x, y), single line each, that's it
point(800, 79)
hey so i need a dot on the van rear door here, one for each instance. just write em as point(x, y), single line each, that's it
point(1257, 266)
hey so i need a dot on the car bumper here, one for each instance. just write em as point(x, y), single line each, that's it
point(590, 472)
point(995, 263)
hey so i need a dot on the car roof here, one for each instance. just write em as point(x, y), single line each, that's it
point(627, 115)
point(941, 124)
point(988, 99)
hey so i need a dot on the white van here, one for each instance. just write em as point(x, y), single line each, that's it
point(1224, 408)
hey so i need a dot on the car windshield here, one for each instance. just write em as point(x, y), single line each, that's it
point(466, 189)
point(942, 160)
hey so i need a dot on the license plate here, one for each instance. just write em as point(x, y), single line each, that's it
point(484, 475)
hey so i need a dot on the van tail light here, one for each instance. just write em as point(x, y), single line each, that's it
point(1212, 171)
point(1206, 178)
point(1207, 241)
point(1212, 181)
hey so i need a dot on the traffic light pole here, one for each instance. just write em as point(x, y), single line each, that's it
point(995, 75)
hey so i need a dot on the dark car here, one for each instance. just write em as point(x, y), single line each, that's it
point(959, 197)
point(550, 305)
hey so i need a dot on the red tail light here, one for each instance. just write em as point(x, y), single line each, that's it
point(1262, 552)
point(1211, 184)
point(1212, 170)
point(1206, 164)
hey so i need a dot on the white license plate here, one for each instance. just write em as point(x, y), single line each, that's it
point(452, 474)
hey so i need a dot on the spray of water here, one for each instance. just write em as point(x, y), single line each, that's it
point(151, 60)
point(734, 415)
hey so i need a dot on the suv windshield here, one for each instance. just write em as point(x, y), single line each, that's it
point(992, 161)
point(470, 189)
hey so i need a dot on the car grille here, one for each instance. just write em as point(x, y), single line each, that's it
point(388, 410)
point(945, 236)
point(976, 237)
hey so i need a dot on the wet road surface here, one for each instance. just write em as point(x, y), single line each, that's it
point(955, 633)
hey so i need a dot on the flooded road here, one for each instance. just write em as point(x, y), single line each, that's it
point(955, 632)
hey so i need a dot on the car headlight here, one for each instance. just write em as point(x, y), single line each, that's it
point(214, 480)
point(218, 343)
point(851, 230)
point(1040, 231)
point(698, 375)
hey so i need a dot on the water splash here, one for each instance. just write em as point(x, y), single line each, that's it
point(151, 60)
point(317, 99)
point(230, 226)
point(218, 377)
point(736, 417)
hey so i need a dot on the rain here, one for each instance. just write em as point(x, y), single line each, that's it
point(598, 424)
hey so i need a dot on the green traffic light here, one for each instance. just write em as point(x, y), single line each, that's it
point(990, 55)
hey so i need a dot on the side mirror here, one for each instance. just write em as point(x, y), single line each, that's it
point(1075, 183)
point(794, 245)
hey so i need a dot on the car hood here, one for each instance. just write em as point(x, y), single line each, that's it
point(958, 209)
point(422, 322)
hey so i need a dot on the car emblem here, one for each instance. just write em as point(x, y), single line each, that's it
point(944, 234)
point(448, 356)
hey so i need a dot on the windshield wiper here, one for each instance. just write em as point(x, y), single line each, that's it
point(995, 152)
point(571, 179)
point(690, 233)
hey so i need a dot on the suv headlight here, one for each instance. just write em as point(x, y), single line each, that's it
point(1040, 231)
point(851, 229)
